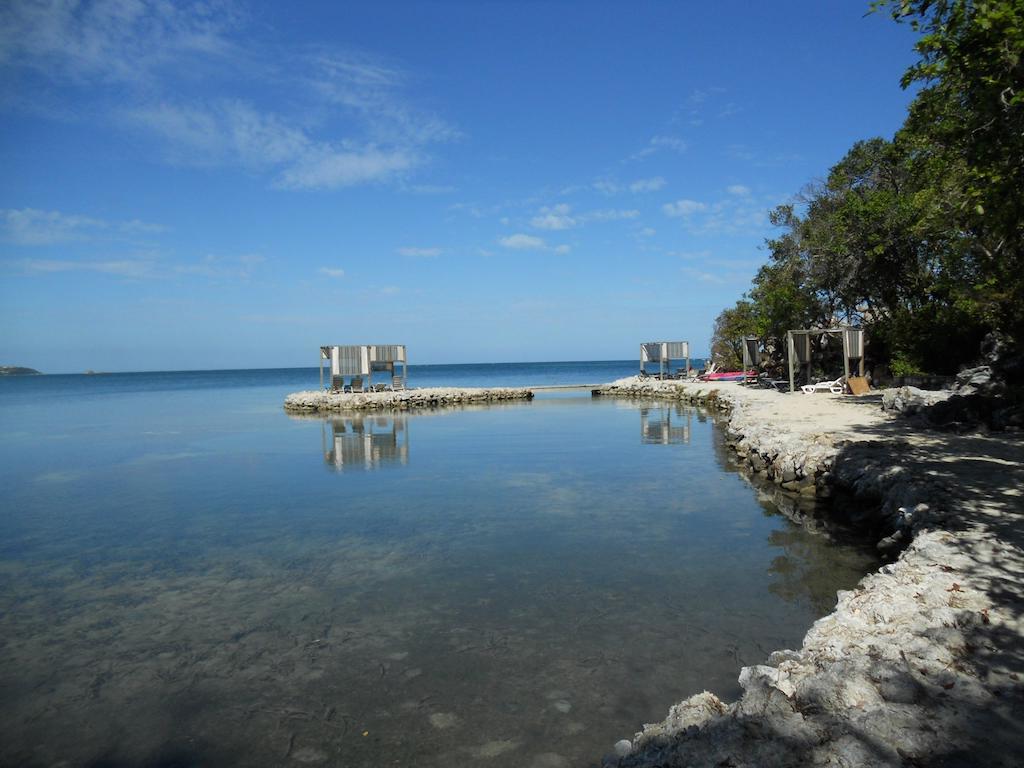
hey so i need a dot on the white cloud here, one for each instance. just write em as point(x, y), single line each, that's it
point(647, 185)
point(29, 226)
point(330, 168)
point(349, 119)
point(134, 268)
point(648, 232)
point(390, 290)
point(661, 143)
point(606, 186)
point(704, 277)
point(223, 267)
point(419, 252)
point(739, 190)
point(521, 242)
point(554, 217)
point(234, 132)
point(122, 41)
point(683, 208)
point(610, 214)
point(561, 250)
point(332, 271)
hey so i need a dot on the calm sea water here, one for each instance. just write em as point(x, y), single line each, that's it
point(189, 576)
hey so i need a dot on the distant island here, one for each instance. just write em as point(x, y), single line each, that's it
point(15, 370)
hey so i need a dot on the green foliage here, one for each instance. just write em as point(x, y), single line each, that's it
point(966, 132)
point(919, 239)
point(901, 366)
point(731, 326)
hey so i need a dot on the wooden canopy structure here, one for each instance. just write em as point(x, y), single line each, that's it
point(663, 353)
point(798, 344)
point(751, 354)
point(359, 360)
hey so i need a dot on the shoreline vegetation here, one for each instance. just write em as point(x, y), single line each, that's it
point(918, 239)
point(17, 370)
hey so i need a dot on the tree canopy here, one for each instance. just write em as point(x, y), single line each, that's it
point(920, 238)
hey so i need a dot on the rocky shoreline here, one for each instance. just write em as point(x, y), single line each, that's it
point(922, 663)
point(315, 401)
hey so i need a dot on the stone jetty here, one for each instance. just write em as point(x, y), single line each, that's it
point(922, 663)
point(314, 401)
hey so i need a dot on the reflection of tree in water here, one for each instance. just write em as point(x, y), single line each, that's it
point(812, 567)
point(365, 441)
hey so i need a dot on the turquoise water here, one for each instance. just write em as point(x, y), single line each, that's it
point(188, 576)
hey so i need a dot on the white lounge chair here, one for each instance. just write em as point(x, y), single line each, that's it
point(836, 387)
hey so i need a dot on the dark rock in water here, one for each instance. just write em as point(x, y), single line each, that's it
point(15, 370)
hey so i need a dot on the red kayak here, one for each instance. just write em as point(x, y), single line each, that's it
point(729, 376)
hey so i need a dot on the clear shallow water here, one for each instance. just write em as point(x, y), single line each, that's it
point(190, 577)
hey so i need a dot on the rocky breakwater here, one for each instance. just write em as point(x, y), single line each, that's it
point(314, 401)
point(922, 664)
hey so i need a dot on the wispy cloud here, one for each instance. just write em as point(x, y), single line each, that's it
point(349, 118)
point(740, 212)
point(521, 242)
point(647, 185)
point(425, 253)
point(611, 186)
point(610, 214)
point(133, 268)
point(224, 267)
point(554, 217)
point(335, 272)
point(658, 144)
point(683, 208)
point(145, 266)
point(120, 41)
point(560, 217)
point(29, 226)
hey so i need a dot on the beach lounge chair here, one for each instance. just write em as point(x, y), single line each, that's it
point(836, 387)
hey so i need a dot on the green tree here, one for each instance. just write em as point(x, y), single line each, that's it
point(731, 326)
point(965, 131)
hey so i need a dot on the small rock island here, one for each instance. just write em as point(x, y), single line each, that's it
point(16, 370)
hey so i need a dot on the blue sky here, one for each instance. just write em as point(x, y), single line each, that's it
point(222, 185)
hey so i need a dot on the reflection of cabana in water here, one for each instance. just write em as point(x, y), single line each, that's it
point(663, 353)
point(363, 441)
point(799, 345)
point(662, 426)
point(359, 360)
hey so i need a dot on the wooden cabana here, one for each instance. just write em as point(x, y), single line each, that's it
point(663, 353)
point(361, 360)
point(751, 354)
point(798, 344)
